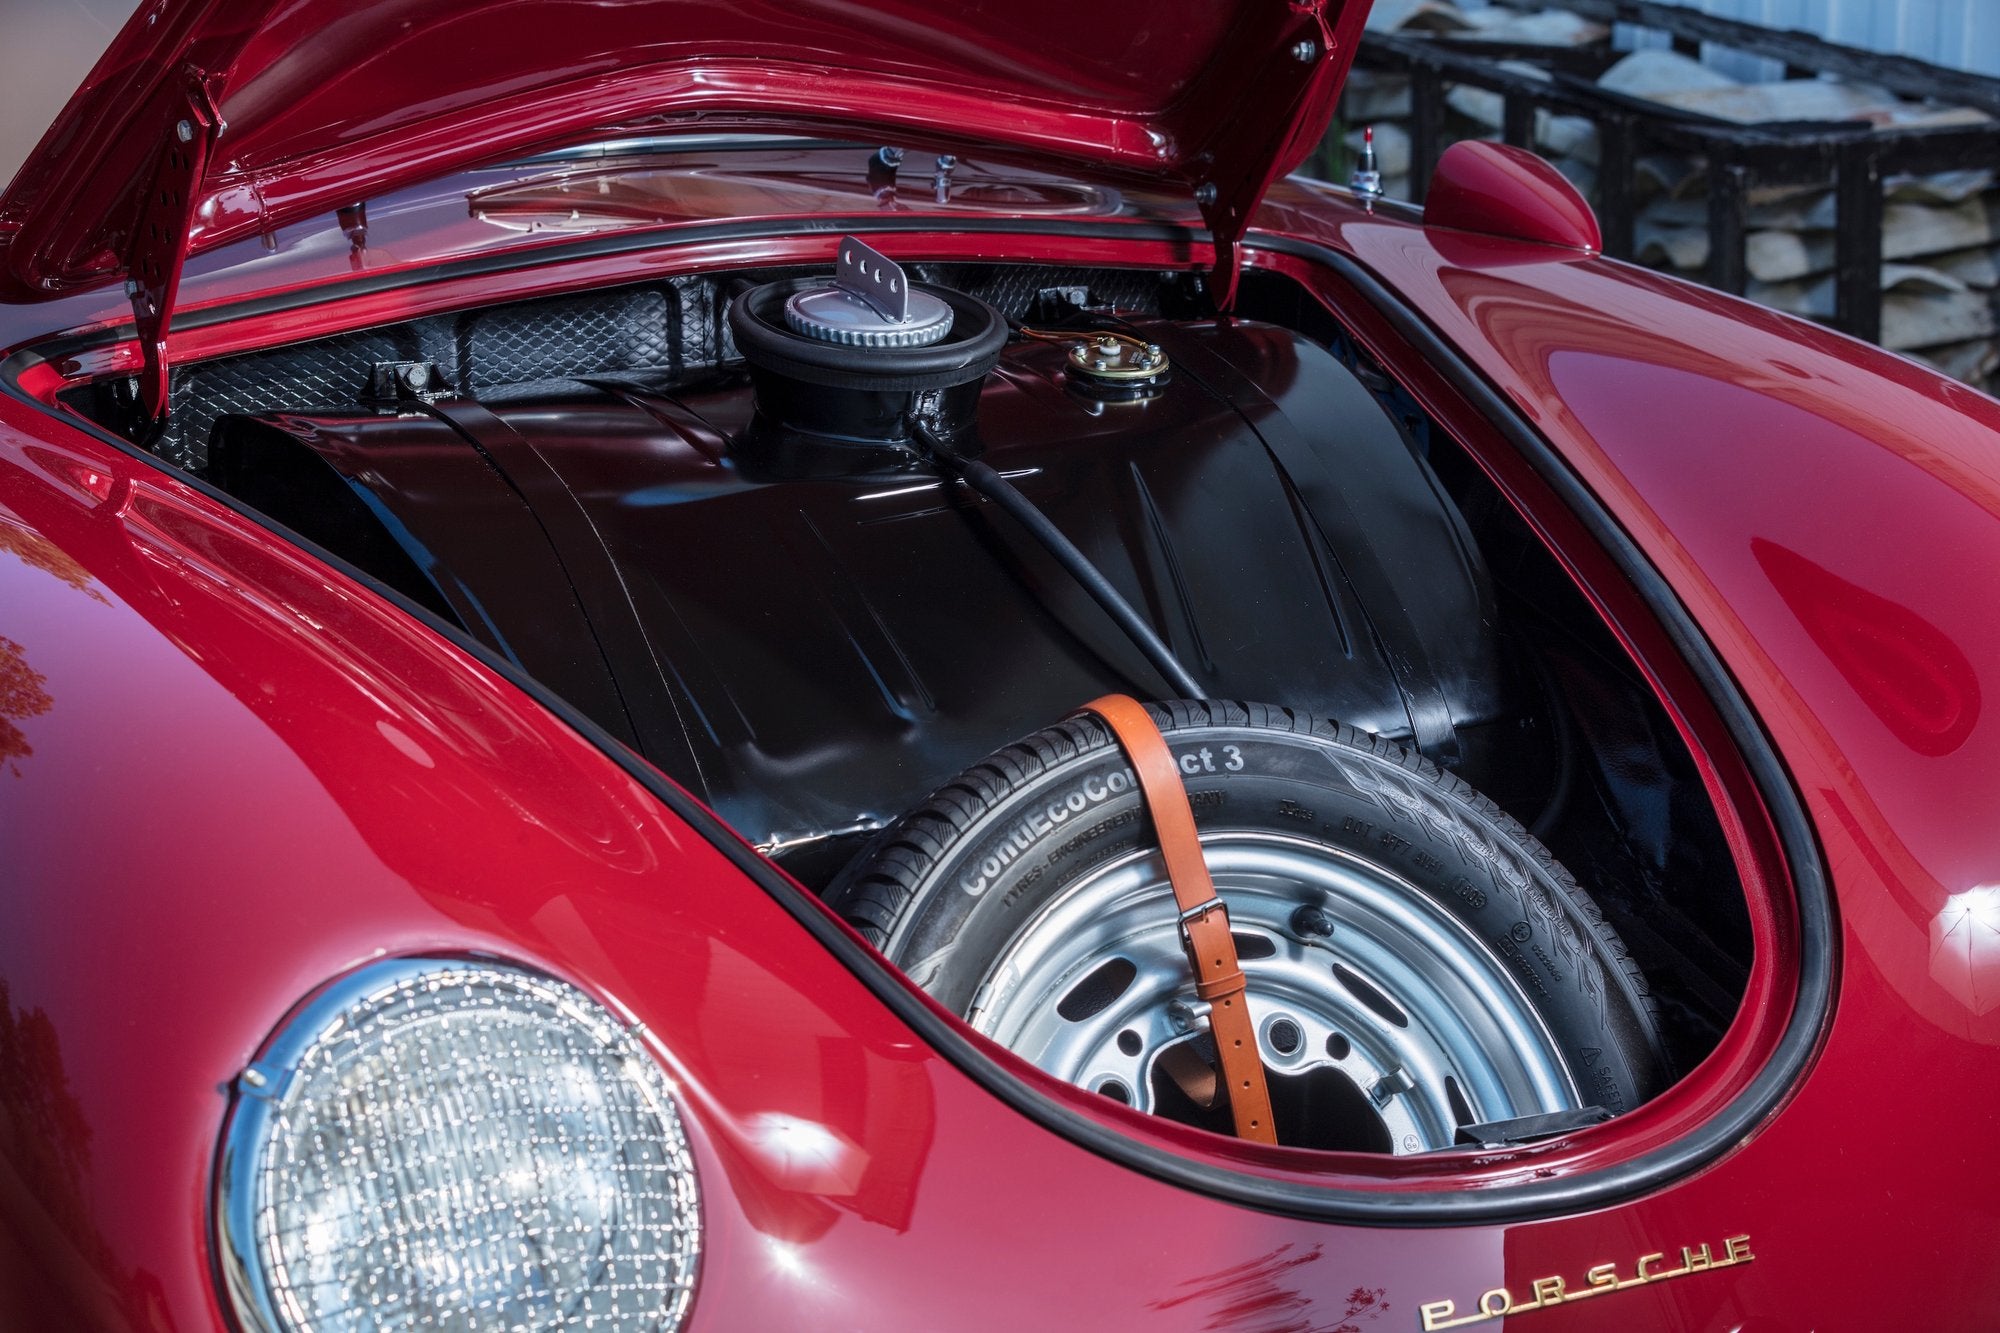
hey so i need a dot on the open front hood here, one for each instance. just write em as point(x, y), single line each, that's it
point(208, 120)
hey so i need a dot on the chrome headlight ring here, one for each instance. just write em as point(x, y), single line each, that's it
point(456, 1144)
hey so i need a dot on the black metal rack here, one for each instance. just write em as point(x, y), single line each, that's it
point(1853, 158)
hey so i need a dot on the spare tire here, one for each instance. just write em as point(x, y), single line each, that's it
point(1417, 962)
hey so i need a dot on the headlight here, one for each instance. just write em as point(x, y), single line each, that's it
point(458, 1146)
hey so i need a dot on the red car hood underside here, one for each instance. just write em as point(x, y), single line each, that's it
point(237, 115)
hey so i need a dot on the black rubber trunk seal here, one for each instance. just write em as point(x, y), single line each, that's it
point(625, 243)
point(1513, 1203)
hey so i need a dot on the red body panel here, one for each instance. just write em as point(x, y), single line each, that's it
point(1499, 190)
point(320, 104)
point(312, 778)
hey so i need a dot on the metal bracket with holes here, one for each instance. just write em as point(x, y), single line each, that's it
point(874, 277)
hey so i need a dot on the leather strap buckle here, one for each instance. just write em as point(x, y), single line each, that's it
point(1196, 913)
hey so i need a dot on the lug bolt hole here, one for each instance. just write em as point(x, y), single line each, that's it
point(1285, 1037)
point(1116, 1091)
point(1129, 1042)
point(1337, 1046)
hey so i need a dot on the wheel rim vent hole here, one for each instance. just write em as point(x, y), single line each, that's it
point(1095, 993)
point(1364, 990)
point(1250, 946)
point(1461, 1110)
point(1130, 1042)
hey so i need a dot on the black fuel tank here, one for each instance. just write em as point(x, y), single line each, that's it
point(817, 653)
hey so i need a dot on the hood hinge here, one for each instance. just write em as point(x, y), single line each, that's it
point(159, 244)
point(1305, 78)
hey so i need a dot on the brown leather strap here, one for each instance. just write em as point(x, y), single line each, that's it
point(1218, 977)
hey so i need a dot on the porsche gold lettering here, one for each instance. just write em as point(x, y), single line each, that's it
point(1598, 1280)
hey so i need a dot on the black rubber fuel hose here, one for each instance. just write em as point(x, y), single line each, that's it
point(1002, 492)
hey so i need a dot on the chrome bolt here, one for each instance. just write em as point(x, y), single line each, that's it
point(253, 1077)
point(416, 377)
point(1204, 194)
point(1188, 1015)
point(1391, 1084)
point(184, 132)
point(1305, 51)
point(1367, 178)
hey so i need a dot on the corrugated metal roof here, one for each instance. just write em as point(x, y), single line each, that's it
point(1960, 34)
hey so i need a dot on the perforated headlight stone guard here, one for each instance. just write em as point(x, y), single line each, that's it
point(408, 1126)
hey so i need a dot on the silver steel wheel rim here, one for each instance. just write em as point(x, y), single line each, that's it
point(1465, 1018)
